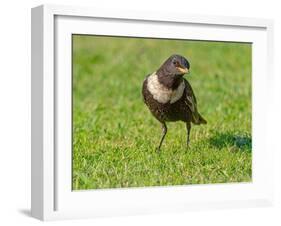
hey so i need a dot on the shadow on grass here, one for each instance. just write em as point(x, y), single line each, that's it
point(233, 141)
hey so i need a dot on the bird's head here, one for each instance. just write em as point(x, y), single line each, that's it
point(175, 65)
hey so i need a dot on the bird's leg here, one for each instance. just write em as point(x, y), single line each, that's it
point(164, 132)
point(188, 128)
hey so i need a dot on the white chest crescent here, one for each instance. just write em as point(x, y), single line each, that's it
point(161, 93)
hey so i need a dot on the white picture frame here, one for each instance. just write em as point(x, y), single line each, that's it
point(52, 197)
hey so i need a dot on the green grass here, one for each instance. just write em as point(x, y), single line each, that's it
point(115, 136)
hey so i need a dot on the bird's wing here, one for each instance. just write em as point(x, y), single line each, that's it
point(191, 102)
point(190, 97)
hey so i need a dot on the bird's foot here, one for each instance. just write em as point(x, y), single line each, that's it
point(158, 150)
point(187, 144)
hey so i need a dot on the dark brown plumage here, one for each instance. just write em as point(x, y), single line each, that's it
point(170, 97)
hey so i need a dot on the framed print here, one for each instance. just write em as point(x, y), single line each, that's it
point(137, 112)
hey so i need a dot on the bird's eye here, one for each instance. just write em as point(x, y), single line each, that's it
point(175, 63)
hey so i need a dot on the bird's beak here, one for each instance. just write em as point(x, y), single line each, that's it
point(182, 70)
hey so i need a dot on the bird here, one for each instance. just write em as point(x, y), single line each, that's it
point(170, 97)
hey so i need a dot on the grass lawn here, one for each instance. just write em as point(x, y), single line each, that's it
point(115, 136)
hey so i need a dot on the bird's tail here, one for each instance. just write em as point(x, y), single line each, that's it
point(197, 119)
point(202, 120)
